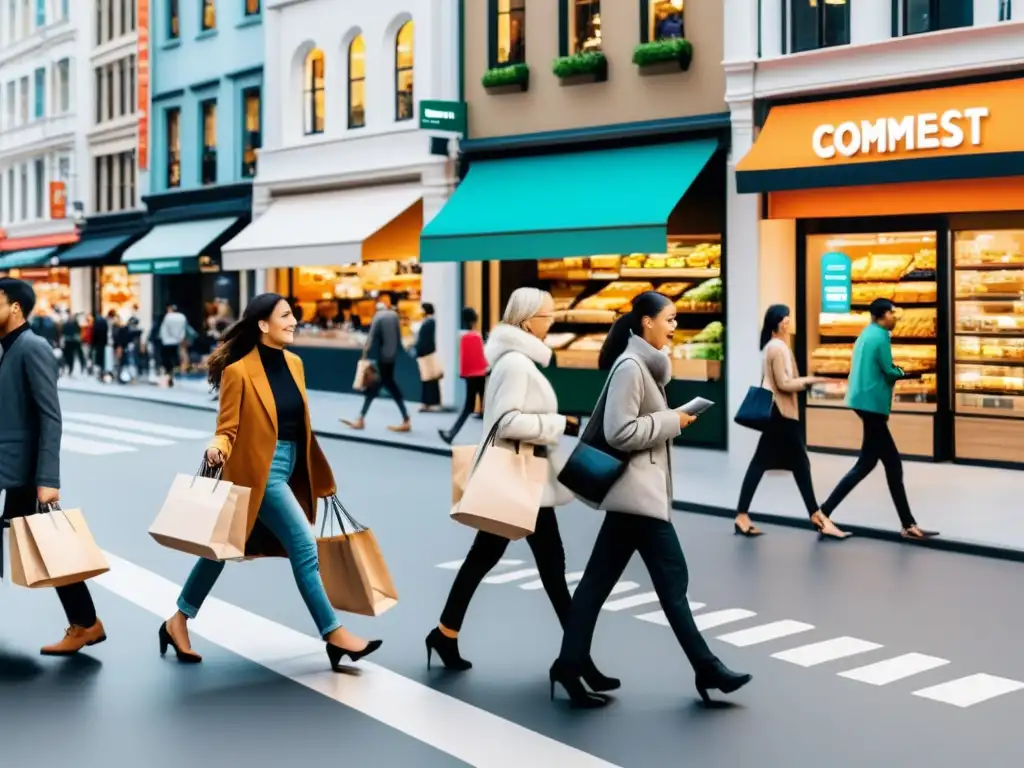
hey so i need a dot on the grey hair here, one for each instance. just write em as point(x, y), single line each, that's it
point(523, 305)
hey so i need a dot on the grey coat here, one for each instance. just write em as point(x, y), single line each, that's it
point(385, 340)
point(30, 421)
point(637, 420)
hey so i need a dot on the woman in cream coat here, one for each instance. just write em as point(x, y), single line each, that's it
point(522, 397)
point(639, 423)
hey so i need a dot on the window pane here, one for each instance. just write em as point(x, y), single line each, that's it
point(803, 20)
point(917, 16)
point(955, 13)
point(172, 18)
point(209, 124)
point(666, 19)
point(403, 50)
point(252, 7)
point(837, 22)
point(40, 174)
point(586, 25)
point(252, 111)
point(209, 14)
point(357, 59)
point(357, 104)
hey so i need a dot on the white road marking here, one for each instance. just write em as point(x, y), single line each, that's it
point(454, 565)
point(897, 668)
point(92, 447)
point(147, 427)
point(765, 633)
point(632, 601)
point(971, 690)
point(825, 651)
point(659, 617)
point(445, 723)
point(570, 578)
point(114, 434)
point(718, 618)
point(505, 578)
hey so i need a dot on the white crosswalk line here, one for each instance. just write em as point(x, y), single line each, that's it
point(570, 578)
point(825, 651)
point(505, 578)
point(659, 617)
point(92, 447)
point(897, 668)
point(146, 427)
point(765, 633)
point(454, 565)
point(632, 601)
point(971, 690)
point(718, 618)
point(90, 430)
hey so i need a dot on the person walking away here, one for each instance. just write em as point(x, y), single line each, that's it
point(382, 347)
point(472, 370)
point(873, 375)
point(638, 422)
point(71, 333)
point(87, 327)
point(263, 441)
point(30, 431)
point(781, 445)
point(524, 401)
point(173, 329)
point(426, 344)
point(100, 334)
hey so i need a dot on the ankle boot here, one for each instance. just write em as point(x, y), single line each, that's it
point(718, 677)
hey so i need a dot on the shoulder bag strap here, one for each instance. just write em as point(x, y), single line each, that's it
point(596, 422)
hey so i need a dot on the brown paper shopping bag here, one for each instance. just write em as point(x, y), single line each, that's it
point(430, 367)
point(366, 375)
point(462, 464)
point(54, 549)
point(352, 567)
point(204, 516)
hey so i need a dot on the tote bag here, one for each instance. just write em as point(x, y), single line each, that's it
point(755, 412)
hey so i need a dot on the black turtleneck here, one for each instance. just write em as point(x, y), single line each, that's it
point(8, 341)
point(291, 411)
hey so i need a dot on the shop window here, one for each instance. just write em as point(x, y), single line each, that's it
point(404, 72)
point(173, 133)
point(173, 20)
point(933, 15)
point(252, 138)
point(357, 83)
point(39, 110)
point(584, 26)
point(819, 24)
point(252, 7)
point(664, 20)
point(508, 18)
point(314, 92)
point(208, 161)
point(209, 19)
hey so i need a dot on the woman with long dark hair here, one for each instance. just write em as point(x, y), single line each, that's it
point(781, 445)
point(264, 442)
point(638, 422)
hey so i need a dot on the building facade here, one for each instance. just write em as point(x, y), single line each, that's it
point(877, 140)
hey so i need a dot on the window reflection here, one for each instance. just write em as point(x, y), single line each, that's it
point(209, 15)
point(511, 23)
point(314, 92)
point(666, 20)
point(404, 72)
point(819, 24)
point(252, 138)
point(586, 26)
point(357, 83)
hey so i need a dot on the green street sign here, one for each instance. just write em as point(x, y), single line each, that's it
point(835, 283)
point(443, 116)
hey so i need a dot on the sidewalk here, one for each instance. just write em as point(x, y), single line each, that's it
point(975, 508)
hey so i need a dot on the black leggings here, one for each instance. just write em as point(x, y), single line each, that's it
point(385, 380)
point(780, 446)
point(474, 390)
point(487, 549)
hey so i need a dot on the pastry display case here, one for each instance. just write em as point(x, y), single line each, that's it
point(119, 291)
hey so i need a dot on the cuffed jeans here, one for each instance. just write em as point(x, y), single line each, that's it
point(281, 513)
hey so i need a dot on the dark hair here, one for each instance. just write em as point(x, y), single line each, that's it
point(242, 337)
point(19, 292)
point(879, 308)
point(428, 308)
point(647, 304)
point(469, 318)
point(776, 314)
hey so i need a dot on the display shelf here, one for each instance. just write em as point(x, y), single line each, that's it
point(683, 273)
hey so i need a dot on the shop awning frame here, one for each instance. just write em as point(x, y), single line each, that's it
point(565, 205)
point(174, 248)
point(27, 259)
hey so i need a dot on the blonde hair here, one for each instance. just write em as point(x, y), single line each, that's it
point(523, 305)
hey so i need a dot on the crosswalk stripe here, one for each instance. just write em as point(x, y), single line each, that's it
point(505, 578)
point(970, 690)
point(570, 578)
point(765, 633)
point(147, 427)
point(897, 668)
point(825, 651)
point(631, 602)
point(659, 617)
point(92, 447)
point(718, 618)
point(113, 434)
point(454, 565)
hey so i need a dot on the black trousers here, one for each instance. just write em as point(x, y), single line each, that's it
point(780, 447)
point(170, 359)
point(474, 389)
point(430, 394)
point(77, 602)
point(72, 352)
point(876, 445)
point(487, 549)
point(621, 535)
point(385, 380)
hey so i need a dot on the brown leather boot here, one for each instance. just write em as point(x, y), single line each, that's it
point(357, 424)
point(75, 639)
point(405, 426)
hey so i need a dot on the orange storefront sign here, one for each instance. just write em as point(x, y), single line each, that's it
point(58, 200)
point(142, 80)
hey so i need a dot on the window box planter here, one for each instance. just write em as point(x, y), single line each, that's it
point(590, 67)
point(662, 57)
point(515, 78)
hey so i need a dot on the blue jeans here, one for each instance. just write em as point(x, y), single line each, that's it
point(281, 513)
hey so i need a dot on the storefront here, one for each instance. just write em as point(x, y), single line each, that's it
point(36, 260)
point(637, 208)
point(915, 196)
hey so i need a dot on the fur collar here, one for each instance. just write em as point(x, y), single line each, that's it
point(507, 338)
point(657, 362)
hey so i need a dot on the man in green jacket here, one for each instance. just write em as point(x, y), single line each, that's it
point(869, 393)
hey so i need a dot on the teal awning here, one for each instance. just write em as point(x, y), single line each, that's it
point(556, 206)
point(33, 257)
point(175, 248)
point(91, 251)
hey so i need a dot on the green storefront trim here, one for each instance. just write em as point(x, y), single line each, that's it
point(163, 267)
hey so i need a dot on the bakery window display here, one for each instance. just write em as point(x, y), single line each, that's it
point(119, 291)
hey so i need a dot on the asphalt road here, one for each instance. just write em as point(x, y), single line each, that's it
point(864, 653)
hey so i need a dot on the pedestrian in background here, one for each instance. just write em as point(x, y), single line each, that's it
point(781, 446)
point(426, 344)
point(638, 422)
point(30, 432)
point(98, 346)
point(264, 442)
point(71, 334)
point(873, 375)
point(383, 345)
point(523, 403)
point(472, 369)
point(173, 330)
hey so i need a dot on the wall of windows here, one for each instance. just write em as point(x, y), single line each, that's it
point(114, 19)
point(116, 95)
point(25, 187)
point(114, 182)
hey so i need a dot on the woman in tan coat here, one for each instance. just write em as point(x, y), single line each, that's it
point(264, 442)
point(781, 445)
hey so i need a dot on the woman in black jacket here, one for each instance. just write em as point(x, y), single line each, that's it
point(426, 344)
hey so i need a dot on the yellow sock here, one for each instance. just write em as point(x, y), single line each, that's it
point(449, 633)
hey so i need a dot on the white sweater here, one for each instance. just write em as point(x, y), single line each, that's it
point(516, 384)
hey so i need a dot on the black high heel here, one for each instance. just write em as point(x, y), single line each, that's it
point(718, 677)
point(750, 532)
point(579, 697)
point(596, 681)
point(335, 653)
point(448, 649)
point(445, 436)
point(185, 657)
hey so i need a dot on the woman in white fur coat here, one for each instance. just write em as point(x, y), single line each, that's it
point(515, 352)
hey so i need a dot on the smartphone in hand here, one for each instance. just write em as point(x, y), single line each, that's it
point(696, 406)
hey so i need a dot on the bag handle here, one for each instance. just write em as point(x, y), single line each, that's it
point(335, 510)
point(49, 507)
point(492, 437)
point(206, 470)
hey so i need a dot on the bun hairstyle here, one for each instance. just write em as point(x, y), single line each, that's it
point(776, 314)
point(647, 304)
point(242, 337)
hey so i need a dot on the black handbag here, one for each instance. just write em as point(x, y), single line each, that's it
point(755, 411)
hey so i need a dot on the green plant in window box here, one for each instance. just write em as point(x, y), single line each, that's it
point(663, 56)
point(508, 79)
point(587, 67)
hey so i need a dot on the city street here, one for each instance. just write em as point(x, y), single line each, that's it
point(864, 653)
